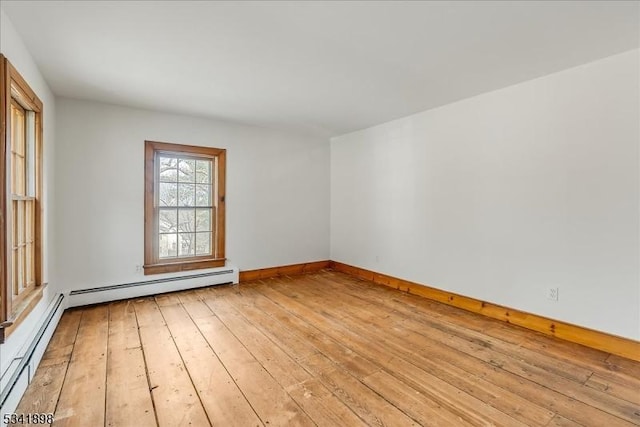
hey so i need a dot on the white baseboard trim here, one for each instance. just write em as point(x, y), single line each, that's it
point(19, 373)
point(224, 275)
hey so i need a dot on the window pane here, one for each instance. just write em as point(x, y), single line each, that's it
point(20, 237)
point(168, 194)
point(20, 269)
point(20, 174)
point(14, 272)
point(28, 276)
point(186, 244)
point(17, 130)
point(30, 221)
point(203, 219)
point(30, 152)
point(16, 215)
point(203, 195)
point(186, 194)
point(203, 243)
point(168, 169)
point(168, 220)
point(186, 170)
point(186, 221)
point(168, 246)
point(203, 171)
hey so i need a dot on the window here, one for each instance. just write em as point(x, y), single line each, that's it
point(20, 198)
point(184, 207)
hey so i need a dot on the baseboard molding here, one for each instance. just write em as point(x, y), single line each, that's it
point(591, 338)
point(285, 270)
point(181, 282)
point(14, 382)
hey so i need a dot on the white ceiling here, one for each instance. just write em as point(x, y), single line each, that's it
point(322, 67)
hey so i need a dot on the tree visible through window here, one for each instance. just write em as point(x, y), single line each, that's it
point(184, 207)
point(186, 212)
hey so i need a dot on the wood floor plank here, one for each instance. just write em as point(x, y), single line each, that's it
point(575, 368)
point(475, 410)
point(63, 340)
point(222, 399)
point(421, 408)
point(274, 321)
point(563, 350)
point(86, 375)
point(616, 389)
point(324, 408)
point(270, 401)
point(283, 368)
point(42, 396)
point(442, 324)
point(411, 346)
point(175, 398)
point(126, 371)
point(311, 395)
point(548, 377)
point(339, 355)
point(319, 349)
point(578, 356)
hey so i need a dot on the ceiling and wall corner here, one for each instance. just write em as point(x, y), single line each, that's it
point(321, 67)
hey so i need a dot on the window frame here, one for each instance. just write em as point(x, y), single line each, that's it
point(153, 264)
point(14, 88)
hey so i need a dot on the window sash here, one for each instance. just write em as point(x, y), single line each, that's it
point(20, 205)
point(178, 246)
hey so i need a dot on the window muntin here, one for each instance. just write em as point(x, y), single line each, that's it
point(21, 206)
point(23, 173)
point(185, 198)
point(184, 207)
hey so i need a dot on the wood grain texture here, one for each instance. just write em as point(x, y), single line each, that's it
point(175, 399)
point(324, 348)
point(87, 373)
point(595, 339)
point(285, 270)
point(153, 264)
point(42, 395)
point(13, 85)
point(126, 371)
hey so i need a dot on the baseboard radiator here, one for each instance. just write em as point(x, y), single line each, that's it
point(18, 375)
point(122, 291)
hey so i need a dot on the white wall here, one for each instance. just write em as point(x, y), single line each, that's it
point(277, 191)
point(13, 48)
point(502, 195)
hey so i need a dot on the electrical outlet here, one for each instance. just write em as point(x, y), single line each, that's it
point(138, 268)
point(553, 293)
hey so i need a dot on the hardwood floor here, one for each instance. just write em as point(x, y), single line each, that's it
point(319, 349)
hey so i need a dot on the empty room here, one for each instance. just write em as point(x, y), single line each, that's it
point(320, 213)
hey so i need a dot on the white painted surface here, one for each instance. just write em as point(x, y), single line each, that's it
point(501, 196)
point(277, 191)
point(13, 48)
point(187, 280)
point(17, 389)
point(323, 66)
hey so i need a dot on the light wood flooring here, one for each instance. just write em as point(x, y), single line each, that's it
point(319, 349)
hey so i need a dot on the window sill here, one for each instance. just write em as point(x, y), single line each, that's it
point(183, 266)
point(22, 310)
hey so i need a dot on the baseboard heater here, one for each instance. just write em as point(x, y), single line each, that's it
point(11, 390)
point(121, 291)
